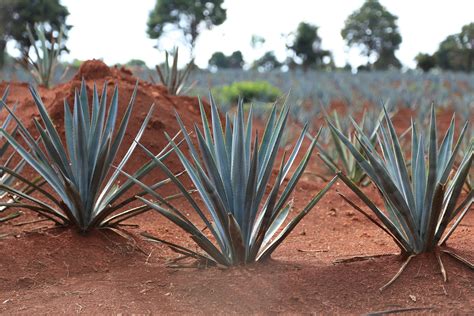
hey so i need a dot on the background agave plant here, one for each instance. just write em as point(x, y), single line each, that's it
point(46, 58)
point(338, 156)
point(231, 173)
point(80, 172)
point(419, 208)
point(172, 78)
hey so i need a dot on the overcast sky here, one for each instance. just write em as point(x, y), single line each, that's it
point(115, 30)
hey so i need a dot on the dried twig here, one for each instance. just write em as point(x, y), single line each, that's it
point(399, 310)
point(395, 277)
point(362, 258)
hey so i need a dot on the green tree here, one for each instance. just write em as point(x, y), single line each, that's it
point(347, 67)
point(221, 61)
point(425, 62)
point(136, 63)
point(15, 15)
point(188, 16)
point(456, 52)
point(267, 62)
point(307, 49)
point(466, 37)
point(387, 60)
point(373, 29)
point(448, 53)
point(236, 60)
point(218, 60)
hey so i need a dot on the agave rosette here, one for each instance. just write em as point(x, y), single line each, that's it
point(86, 190)
point(231, 173)
point(44, 66)
point(172, 78)
point(421, 200)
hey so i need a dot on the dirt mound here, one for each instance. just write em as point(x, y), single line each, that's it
point(96, 72)
point(93, 69)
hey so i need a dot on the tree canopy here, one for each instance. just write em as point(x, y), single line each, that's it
point(267, 62)
point(386, 60)
point(188, 16)
point(374, 29)
point(136, 63)
point(425, 62)
point(307, 48)
point(456, 52)
point(221, 61)
point(466, 38)
point(15, 15)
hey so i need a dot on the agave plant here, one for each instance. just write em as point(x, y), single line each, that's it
point(172, 78)
point(336, 155)
point(79, 173)
point(231, 173)
point(6, 178)
point(465, 147)
point(420, 208)
point(44, 65)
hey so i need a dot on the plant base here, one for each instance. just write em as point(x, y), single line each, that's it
point(437, 253)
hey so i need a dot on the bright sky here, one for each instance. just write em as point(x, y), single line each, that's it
point(115, 30)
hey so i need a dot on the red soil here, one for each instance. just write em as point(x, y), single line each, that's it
point(48, 270)
point(96, 72)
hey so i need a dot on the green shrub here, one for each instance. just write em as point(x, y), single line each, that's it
point(249, 91)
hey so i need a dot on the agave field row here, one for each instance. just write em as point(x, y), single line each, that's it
point(408, 89)
point(422, 176)
point(411, 89)
point(307, 91)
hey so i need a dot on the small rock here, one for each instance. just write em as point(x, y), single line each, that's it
point(350, 213)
